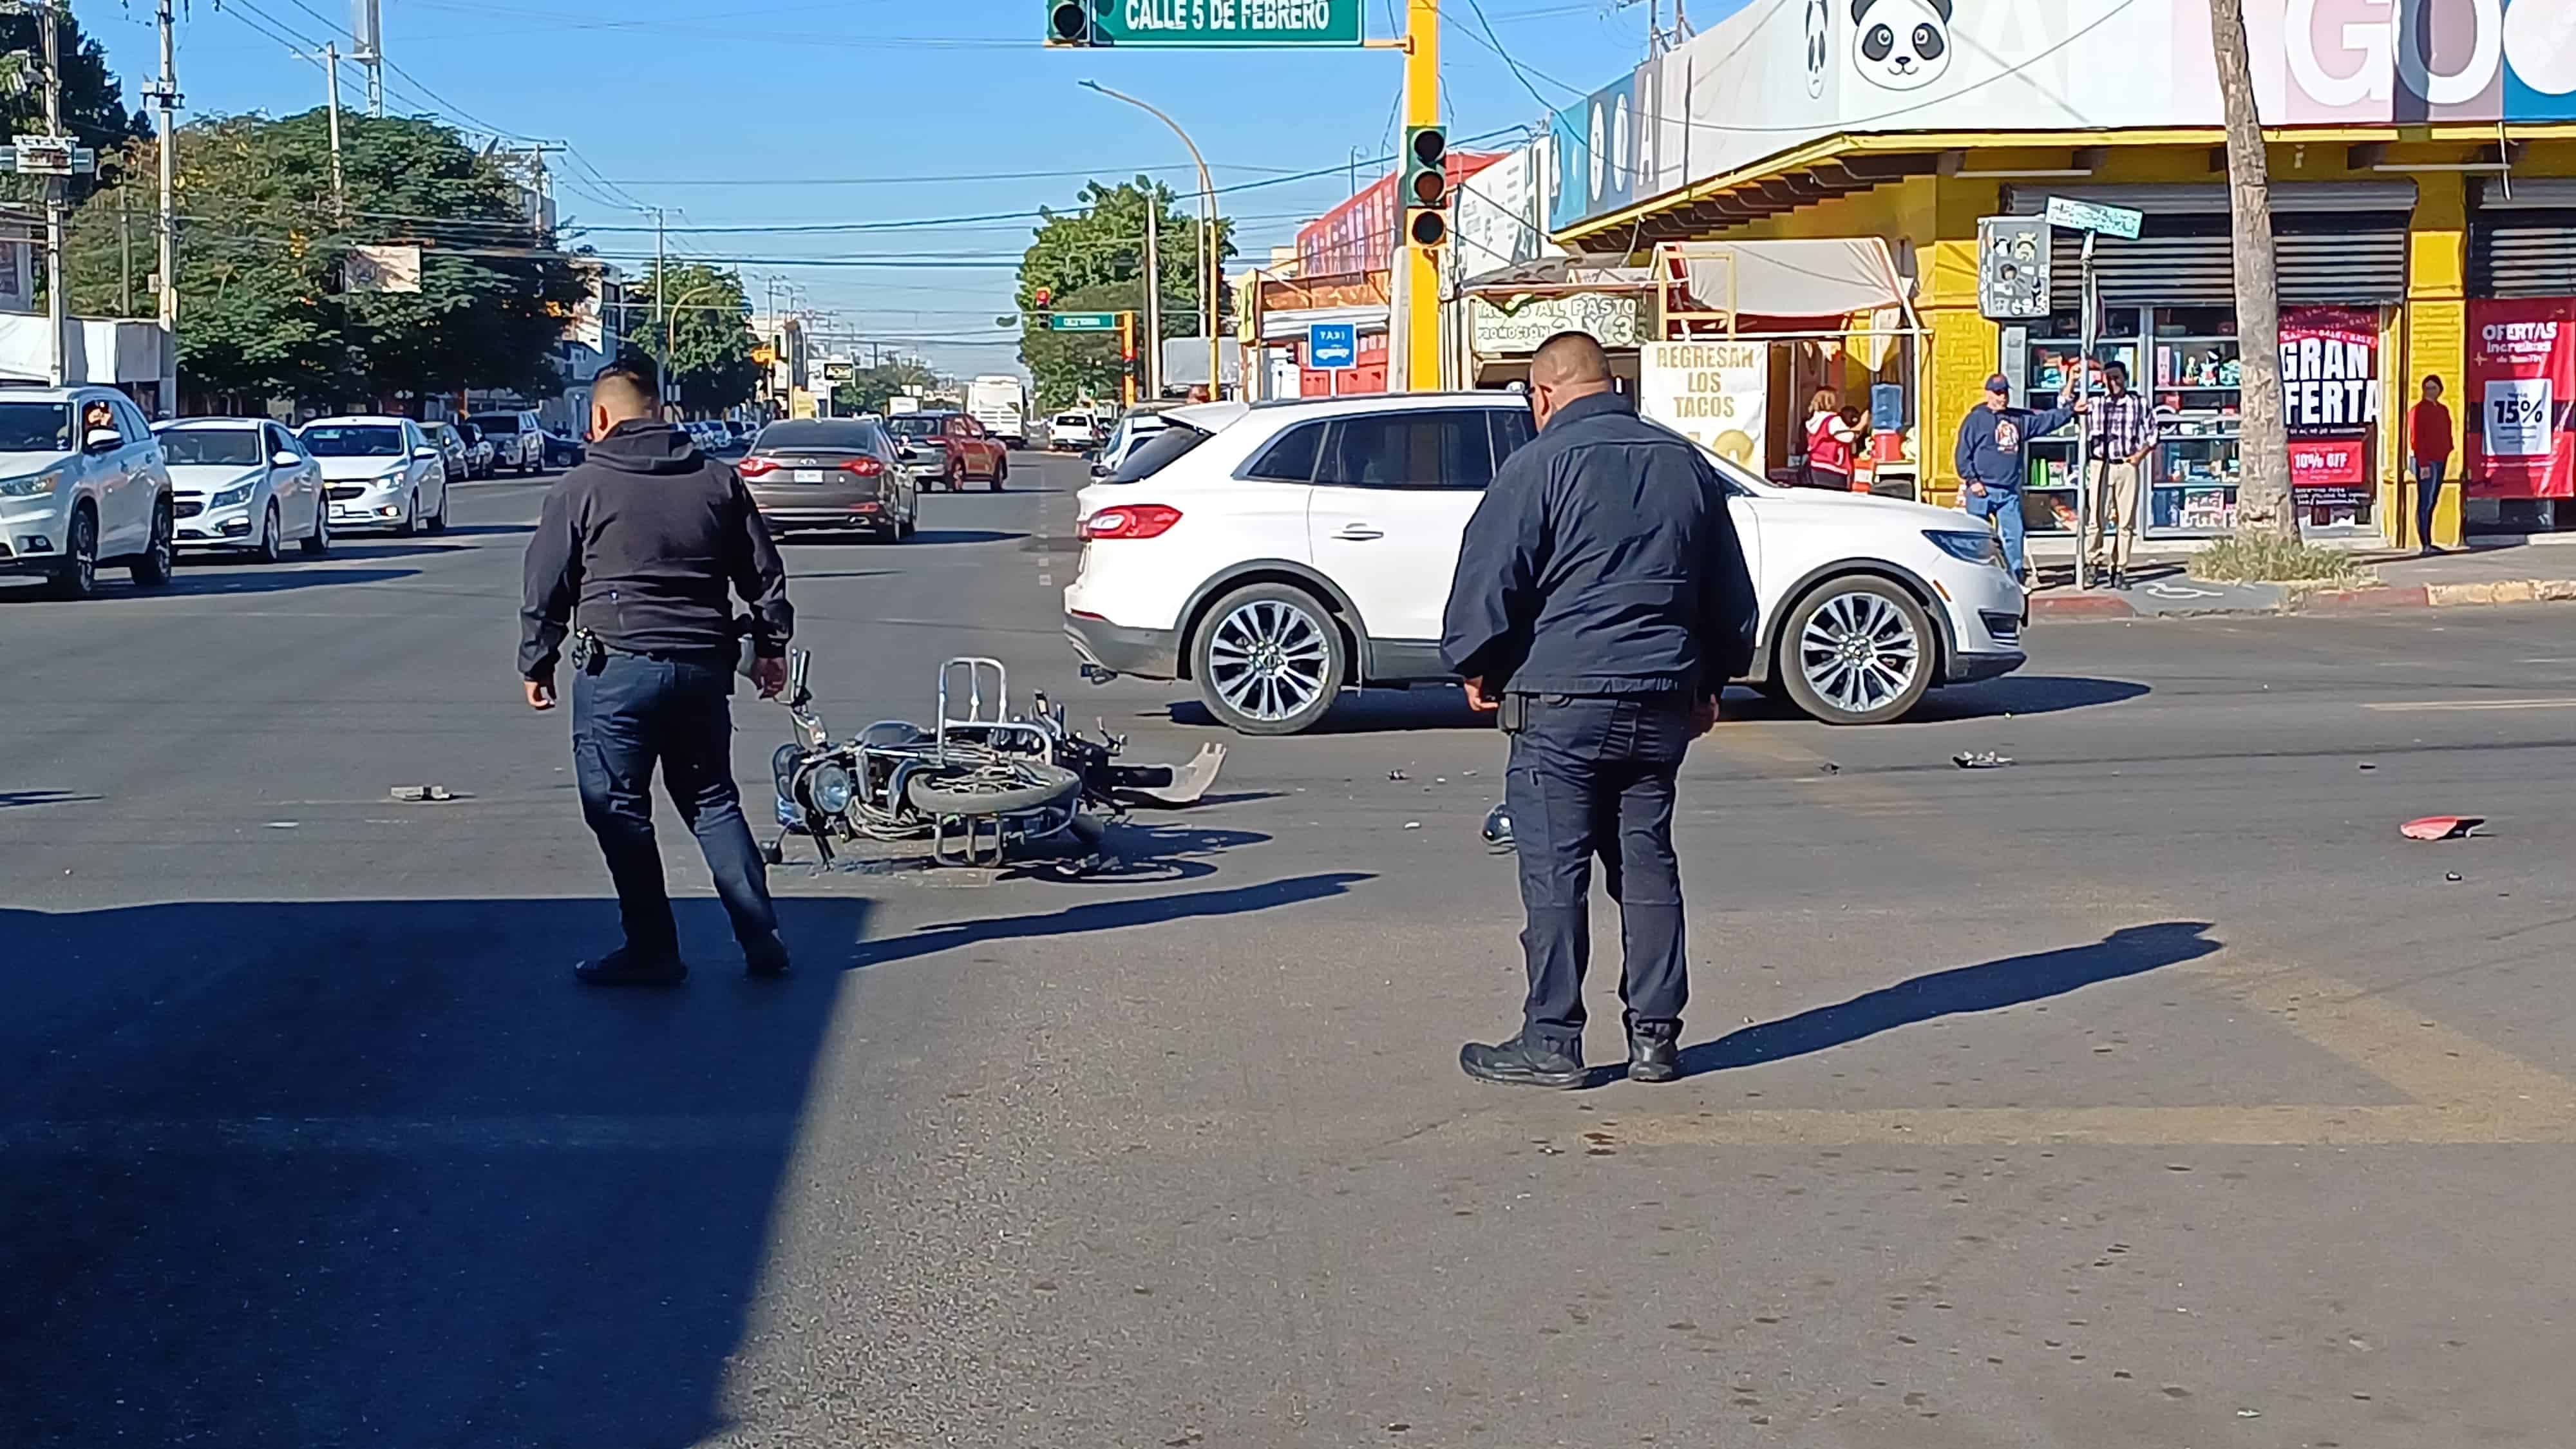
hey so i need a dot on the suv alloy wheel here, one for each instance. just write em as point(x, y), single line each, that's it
point(152, 568)
point(1269, 660)
point(78, 577)
point(1857, 650)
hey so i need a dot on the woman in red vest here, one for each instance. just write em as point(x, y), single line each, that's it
point(1829, 443)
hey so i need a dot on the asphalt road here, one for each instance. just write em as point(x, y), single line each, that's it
point(2151, 1091)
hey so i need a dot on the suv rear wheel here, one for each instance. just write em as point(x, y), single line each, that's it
point(151, 568)
point(1856, 651)
point(1269, 660)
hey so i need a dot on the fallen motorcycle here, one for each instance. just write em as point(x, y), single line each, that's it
point(981, 784)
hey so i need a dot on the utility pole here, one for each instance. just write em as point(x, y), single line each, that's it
point(662, 374)
point(165, 99)
point(367, 24)
point(331, 78)
point(1153, 292)
point(55, 310)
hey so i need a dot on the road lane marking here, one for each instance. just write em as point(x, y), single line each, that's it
point(2409, 1125)
point(2418, 706)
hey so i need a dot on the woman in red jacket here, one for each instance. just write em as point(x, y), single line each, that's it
point(1829, 443)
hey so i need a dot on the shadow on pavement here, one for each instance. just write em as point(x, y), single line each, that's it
point(343, 550)
point(1141, 852)
point(2129, 951)
point(10, 799)
point(192, 581)
point(962, 535)
point(1371, 711)
point(1111, 915)
point(380, 1172)
point(2023, 694)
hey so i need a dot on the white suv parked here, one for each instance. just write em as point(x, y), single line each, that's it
point(1275, 554)
point(379, 472)
point(82, 483)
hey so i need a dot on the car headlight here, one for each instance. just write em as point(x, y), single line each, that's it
point(830, 788)
point(1975, 546)
point(391, 477)
point(35, 485)
point(231, 496)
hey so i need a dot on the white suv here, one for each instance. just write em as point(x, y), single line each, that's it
point(379, 471)
point(82, 483)
point(1275, 554)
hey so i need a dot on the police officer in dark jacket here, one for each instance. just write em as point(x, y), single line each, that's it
point(1601, 603)
point(633, 556)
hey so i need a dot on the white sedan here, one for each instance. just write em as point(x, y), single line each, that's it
point(244, 483)
point(1277, 555)
point(379, 472)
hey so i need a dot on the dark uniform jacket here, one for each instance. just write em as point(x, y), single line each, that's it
point(640, 544)
point(1602, 560)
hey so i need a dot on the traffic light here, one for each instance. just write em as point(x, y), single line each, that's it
point(1042, 296)
point(1426, 185)
point(1068, 22)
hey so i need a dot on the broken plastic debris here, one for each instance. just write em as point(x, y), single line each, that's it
point(1980, 760)
point(415, 794)
point(2451, 875)
point(1413, 825)
point(1395, 774)
point(2367, 765)
point(2442, 827)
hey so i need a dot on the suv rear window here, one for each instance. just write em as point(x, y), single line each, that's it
point(1158, 452)
point(496, 422)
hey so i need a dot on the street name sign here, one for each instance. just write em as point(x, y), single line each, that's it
point(2118, 221)
point(1332, 346)
point(1082, 322)
point(1227, 22)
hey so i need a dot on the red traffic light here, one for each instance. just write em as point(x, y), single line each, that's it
point(1042, 296)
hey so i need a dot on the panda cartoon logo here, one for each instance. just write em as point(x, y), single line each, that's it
point(1820, 19)
point(1901, 45)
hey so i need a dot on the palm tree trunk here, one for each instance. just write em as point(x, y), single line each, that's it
point(2263, 504)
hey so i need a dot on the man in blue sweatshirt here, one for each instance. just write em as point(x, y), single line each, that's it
point(1992, 467)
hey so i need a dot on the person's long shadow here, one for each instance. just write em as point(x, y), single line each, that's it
point(1110, 915)
point(1985, 986)
point(370, 1171)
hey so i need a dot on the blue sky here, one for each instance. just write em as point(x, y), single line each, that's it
point(730, 114)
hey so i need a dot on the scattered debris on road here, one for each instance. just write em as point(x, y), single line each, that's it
point(1980, 760)
point(2452, 876)
point(2442, 827)
point(1395, 774)
point(417, 794)
point(1413, 825)
point(2368, 765)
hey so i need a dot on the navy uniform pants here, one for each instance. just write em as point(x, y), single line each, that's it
point(1593, 775)
point(629, 714)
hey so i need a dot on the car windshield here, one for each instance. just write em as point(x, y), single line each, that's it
point(828, 435)
point(353, 440)
point(915, 425)
point(1157, 452)
point(233, 446)
point(29, 427)
point(498, 423)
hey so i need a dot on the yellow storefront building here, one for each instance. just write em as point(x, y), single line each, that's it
point(2424, 199)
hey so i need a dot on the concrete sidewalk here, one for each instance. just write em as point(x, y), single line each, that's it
point(2516, 571)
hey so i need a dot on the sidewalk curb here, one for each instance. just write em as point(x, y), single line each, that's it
point(2336, 601)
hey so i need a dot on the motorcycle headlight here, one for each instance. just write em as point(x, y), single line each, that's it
point(1975, 546)
point(830, 788)
point(35, 485)
point(231, 496)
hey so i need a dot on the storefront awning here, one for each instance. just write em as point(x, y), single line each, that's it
point(1766, 286)
point(1594, 272)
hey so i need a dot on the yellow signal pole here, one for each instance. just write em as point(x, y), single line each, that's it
point(1127, 358)
point(1421, 319)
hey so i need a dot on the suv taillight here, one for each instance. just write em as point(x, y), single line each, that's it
point(1131, 520)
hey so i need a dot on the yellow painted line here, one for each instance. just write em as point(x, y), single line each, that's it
point(2423, 1059)
point(2421, 706)
point(2262, 1126)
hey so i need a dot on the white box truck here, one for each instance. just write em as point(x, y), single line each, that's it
point(1000, 401)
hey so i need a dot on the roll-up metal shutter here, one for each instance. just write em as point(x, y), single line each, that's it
point(2333, 244)
point(2522, 239)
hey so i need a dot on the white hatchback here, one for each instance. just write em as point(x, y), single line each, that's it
point(1275, 554)
point(379, 472)
point(244, 483)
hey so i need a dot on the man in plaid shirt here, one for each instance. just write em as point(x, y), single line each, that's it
point(2122, 428)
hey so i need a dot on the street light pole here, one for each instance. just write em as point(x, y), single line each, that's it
point(1210, 269)
point(55, 310)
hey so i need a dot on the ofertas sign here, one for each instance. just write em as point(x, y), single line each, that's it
point(2329, 370)
point(2330, 472)
point(1714, 393)
point(2522, 387)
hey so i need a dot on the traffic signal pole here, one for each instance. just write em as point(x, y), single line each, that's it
point(1420, 291)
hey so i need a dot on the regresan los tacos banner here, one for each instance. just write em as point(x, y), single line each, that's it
point(1780, 73)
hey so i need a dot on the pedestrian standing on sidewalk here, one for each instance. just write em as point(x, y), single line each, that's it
point(2122, 430)
point(1600, 604)
point(1829, 443)
point(634, 551)
point(2429, 440)
point(1989, 458)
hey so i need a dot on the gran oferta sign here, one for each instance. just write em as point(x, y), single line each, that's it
point(1226, 22)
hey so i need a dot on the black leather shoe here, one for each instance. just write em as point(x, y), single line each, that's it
point(1522, 1062)
point(765, 956)
point(1653, 1059)
point(626, 967)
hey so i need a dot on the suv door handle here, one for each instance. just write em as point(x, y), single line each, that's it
point(1358, 533)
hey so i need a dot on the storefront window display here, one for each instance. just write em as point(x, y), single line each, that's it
point(2186, 359)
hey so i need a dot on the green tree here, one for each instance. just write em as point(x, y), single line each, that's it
point(94, 108)
point(264, 245)
point(700, 335)
point(1093, 260)
point(868, 390)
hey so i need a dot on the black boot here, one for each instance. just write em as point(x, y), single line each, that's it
point(765, 955)
point(1522, 1062)
point(627, 966)
point(1653, 1058)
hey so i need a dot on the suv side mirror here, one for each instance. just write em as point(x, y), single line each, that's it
point(424, 452)
point(284, 459)
point(102, 440)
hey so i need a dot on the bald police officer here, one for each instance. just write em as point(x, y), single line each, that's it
point(1601, 603)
